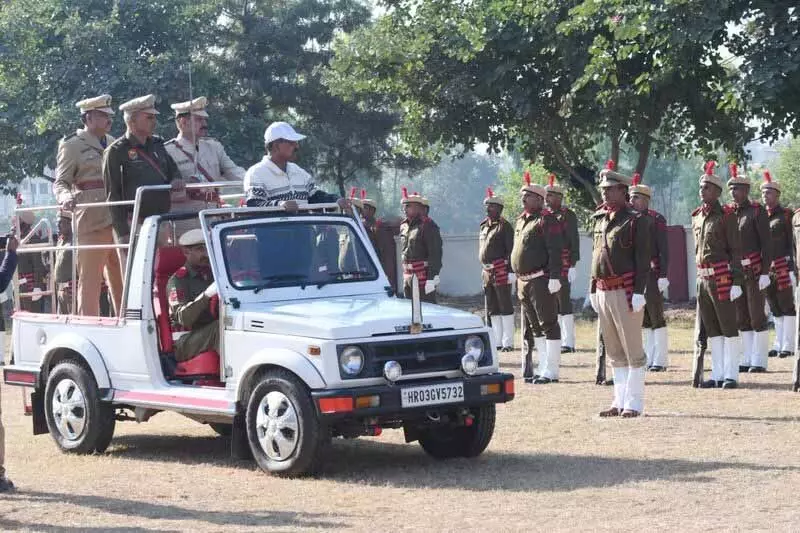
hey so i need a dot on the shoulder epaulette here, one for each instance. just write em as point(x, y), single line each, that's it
point(546, 211)
point(728, 209)
point(157, 139)
point(181, 273)
point(171, 141)
point(484, 221)
point(697, 210)
point(68, 137)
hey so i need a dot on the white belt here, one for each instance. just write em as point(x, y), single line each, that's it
point(531, 275)
point(705, 272)
point(746, 262)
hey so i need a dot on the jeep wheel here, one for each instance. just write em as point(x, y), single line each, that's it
point(465, 441)
point(282, 427)
point(78, 421)
point(223, 430)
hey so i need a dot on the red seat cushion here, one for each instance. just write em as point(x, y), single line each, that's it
point(168, 260)
point(203, 364)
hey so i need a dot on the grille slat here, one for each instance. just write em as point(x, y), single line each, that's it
point(418, 357)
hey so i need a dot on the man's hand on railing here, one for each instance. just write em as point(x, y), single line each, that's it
point(345, 205)
point(178, 185)
point(68, 205)
point(12, 243)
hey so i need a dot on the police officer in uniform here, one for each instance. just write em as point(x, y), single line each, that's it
point(213, 163)
point(193, 300)
point(536, 260)
point(136, 159)
point(79, 180)
point(718, 255)
point(6, 272)
point(796, 257)
point(32, 272)
point(620, 264)
point(496, 243)
point(570, 256)
point(63, 267)
point(421, 247)
point(780, 293)
point(654, 325)
point(756, 259)
point(379, 234)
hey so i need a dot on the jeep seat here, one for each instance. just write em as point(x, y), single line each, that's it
point(204, 365)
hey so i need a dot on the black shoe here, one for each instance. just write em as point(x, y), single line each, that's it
point(543, 381)
point(657, 368)
point(757, 370)
point(729, 384)
point(608, 382)
point(710, 384)
point(528, 380)
point(773, 353)
point(508, 349)
point(567, 349)
point(744, 368)
point(6, 485)
point(784, 355)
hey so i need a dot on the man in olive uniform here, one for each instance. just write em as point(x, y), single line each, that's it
point(380, 235)
point(63, 267)
point(421, 247)
point(718, 255)
point(32, 272)
point(780, 293)
point(79, 180)
point(570, 256)
point(654, 325)
point(796, 258)
point(212, 162)
point(756, 259)
point(536, 260)
point(6, 272)
point(620, 263)
point(136, 159)
point(496, 243)
point(193, 301)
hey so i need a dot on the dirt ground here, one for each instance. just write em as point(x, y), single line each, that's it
point(700, 460)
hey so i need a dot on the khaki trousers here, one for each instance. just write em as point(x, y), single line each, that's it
point(93, 265)
point(197, 341)
point(621, 329)
point(2, 438)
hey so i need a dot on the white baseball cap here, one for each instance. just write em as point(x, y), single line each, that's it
point(281, 130)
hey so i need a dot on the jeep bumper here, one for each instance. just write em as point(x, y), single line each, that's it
point(411, 397)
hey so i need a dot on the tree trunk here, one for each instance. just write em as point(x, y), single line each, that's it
point(644, 154)
point(615, 150)
point(590, 188)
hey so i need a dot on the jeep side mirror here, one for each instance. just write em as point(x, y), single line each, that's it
point(389, 290)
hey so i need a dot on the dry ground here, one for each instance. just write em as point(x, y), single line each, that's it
point(699, 460)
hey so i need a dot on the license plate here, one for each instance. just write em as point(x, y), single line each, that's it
point(432, 394)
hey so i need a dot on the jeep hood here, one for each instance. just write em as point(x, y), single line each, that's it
point(350, 317)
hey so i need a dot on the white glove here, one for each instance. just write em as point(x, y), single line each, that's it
point(431, 285)
point(593, 301)
point(763, 282)
point(512, 278)
point(571, 274)
point(663, 283)
point(23, 281)
point(736, 291)
point(211, 290)
point(793, 278)
point(637, 302)
point(37, 294)
point(553, 286)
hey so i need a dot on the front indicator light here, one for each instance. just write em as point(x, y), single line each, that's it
point(363, 402)
point(492, 388)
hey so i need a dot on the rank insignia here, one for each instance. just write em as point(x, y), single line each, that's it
point(132, 154)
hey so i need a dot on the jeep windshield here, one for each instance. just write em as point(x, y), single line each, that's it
point(295, 254)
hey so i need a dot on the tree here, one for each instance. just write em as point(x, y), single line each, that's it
point(786, 169)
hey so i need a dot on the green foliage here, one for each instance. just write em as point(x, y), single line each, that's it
point(786, 169)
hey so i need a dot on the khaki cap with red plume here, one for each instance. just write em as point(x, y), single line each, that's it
point(353, 198)
point(708, 175)
point(413, 198)
point(637, 187)
point(609, 177)
point(737, 178)
point(491, 198)
point(553, 186)
point(769, 183)
point(367, 201)
point(534, 188)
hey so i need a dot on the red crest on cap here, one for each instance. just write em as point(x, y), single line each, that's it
point(637, 179)
point(709, 169)
point(767, 177)
point(404, 190)
point(489, 192)
point(734, 170)
point(551, 180)
point(610, 164)
point(19, 198)
point(527, 177)
point(363, 194)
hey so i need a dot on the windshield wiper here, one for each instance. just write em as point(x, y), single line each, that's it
point(341, 273)
point(268, 281)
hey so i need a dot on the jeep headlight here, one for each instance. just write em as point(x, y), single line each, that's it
point(474, 346)
point(351, 360)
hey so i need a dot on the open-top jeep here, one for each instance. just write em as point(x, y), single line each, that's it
point(313, 345)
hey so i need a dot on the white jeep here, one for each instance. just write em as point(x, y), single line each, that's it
point(313, 345)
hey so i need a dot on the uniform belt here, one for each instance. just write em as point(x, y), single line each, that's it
point(746, 262)
point(88, 185)
point(705, 272)
point(531, 275)
point(708, 270)
point(410, 267)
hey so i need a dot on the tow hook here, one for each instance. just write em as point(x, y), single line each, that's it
point(469, 420)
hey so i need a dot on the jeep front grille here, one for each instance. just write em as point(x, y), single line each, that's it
point(432, 355)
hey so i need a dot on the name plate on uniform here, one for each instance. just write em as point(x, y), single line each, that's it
point(432, 394)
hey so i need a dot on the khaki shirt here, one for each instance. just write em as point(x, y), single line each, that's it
point(496, 240)
point(660, 247)
point(420, 240)
point(189, 308)
point(754, 232)
point(212, 159)
point(621, 245)
point(716, 238)
point(780, 231)
point(79, 175)
point(537, 244)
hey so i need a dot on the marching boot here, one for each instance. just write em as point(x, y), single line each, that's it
point(527, 364)
point(497, 331)
point(759, 355)
point(567, 333)
point(541, 354)
point(660, 350)
point(508, 332)
point(620, 386)
point(777, 346)
point(717, 345)
point(789, 328)
point(733, 347)
point(634, 393)
point(550, 373)
point(747, 340)
point(649, 346)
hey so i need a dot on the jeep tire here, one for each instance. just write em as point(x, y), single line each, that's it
point(446, 442)
point(76, 418)
point(284, 432)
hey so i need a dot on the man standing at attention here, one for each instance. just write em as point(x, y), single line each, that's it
point(496, 243)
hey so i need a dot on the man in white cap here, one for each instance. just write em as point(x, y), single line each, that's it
point(536, 260)
point(136, 159)
point(193, 300)
point(79, 180)
point(200, 158)
point(277, 181)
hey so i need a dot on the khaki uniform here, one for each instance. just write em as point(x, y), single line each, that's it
point(570, 255)
point(779, 292)
point(421, 248)
point(496, 243)
point(213, 164)
point(63, 274)
point(79, 176)
point(192, 311)
point(654, 300)
point(756, 246)
point(620, 264)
